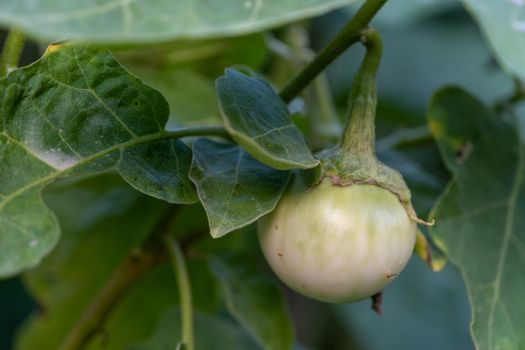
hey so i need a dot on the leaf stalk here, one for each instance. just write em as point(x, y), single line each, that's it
point(184, 286)
point(11, 52)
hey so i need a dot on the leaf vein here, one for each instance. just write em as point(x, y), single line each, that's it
point(59, 132)
point(509, 227)
point(117, 118)
point(57, 174)
point(230, 195)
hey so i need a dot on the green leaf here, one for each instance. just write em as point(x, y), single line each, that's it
point(103, 220)
point(503, 24)
point(78, 112)
point(154, 21)
point(255, 301)
point(234, 188)
point(259, 121)
point(211, 332)
point(479, 218)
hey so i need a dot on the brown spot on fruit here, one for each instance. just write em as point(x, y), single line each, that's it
point(389, 274)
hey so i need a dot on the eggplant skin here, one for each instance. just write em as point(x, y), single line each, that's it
point(337, 244)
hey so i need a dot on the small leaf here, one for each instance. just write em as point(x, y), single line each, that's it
point(259, 121)
point(479, 218)
point(255, 301)
point(77, 112)
point(211, 332)
point(234, 188)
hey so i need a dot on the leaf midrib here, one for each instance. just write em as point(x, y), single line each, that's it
point(121, 146)
point(509, 228)
point(229, 197)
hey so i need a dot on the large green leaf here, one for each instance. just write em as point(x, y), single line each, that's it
point(479, 218)
point(77, 111)
point(234, 188)
point(503, 22)
point(259, 121)
point(211, 332)
point(255, 301)
point(154, 20)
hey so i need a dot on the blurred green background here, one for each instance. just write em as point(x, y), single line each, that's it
point(425, 48)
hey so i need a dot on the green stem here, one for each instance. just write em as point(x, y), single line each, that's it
point(183, 282)
point(14, 43)
point(359, 134)
point(349, 35)
point(141, 260)
point(205, 130)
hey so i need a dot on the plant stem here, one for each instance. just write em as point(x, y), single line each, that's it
point(150, 253)
point(205, 130)
point(14, 43)
point(347, 36)
point(358, 139)
point(183, 283)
